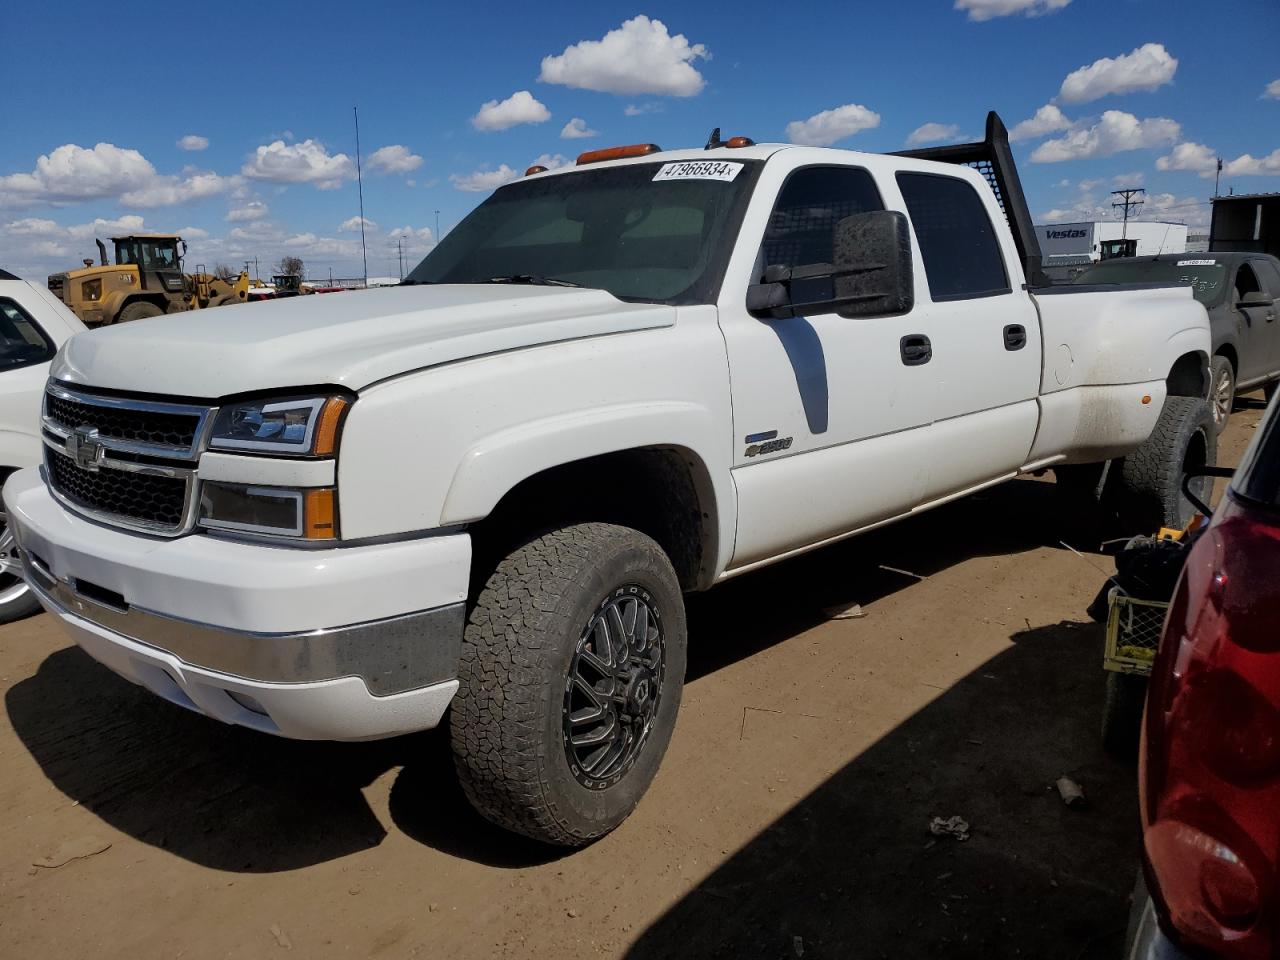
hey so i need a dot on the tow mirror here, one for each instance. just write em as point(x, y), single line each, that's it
point(872, 274)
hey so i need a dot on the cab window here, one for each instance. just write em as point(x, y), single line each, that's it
point(802, 226)
point(1246, 281)
point(958, 242)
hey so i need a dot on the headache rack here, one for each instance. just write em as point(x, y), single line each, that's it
point(993, 158)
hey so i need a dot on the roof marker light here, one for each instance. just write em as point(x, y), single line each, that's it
point(617, 153)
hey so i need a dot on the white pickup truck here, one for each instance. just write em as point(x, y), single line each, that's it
point(488, 489)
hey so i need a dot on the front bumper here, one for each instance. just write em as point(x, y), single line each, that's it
point(346, 644)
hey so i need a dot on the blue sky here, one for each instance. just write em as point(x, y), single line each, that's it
point(1129, 92)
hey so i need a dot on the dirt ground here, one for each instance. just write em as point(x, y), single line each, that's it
point(790, 817)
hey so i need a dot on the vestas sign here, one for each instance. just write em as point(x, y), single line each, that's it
point(1065, 234)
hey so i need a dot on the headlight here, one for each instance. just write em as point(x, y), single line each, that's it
point(91, 289)
point(302, 426)
point(308, 514)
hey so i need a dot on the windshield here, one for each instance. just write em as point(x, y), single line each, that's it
point(1206, 277)
point(648, 232)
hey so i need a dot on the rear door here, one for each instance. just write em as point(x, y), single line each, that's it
point(1254, 322)
point(1268, 270)
point(985, 335)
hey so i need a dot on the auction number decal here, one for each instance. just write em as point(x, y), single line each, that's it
point(698, 170)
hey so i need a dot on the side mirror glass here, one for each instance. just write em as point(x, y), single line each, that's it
point(874, 272)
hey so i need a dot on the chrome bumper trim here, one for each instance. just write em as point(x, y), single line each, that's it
point(391, 656)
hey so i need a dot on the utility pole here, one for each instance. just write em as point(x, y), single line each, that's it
point(400, 253)
point(364, 253)
point(1217, 177)
point(437, 236)
point(1128, 202)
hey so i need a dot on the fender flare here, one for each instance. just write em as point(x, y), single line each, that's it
point(496, 464)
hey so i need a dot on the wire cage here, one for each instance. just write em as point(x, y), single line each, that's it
point(1133, 633)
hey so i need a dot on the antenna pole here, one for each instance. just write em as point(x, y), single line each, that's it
point(364, 253)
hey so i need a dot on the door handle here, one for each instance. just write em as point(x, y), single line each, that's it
point(916, 349)
point(1015, 336)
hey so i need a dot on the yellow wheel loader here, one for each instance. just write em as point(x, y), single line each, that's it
point(146, 281)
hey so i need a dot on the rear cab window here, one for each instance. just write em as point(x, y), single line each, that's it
point(22, 342)
point(958, 242)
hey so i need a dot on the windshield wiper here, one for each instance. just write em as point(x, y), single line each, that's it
point(534, 279)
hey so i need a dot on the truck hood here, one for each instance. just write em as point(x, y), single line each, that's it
point(348, 339)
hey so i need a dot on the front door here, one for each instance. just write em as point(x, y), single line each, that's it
point(829, 413)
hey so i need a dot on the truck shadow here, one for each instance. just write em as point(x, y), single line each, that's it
point(235, 800)
point(853, 871)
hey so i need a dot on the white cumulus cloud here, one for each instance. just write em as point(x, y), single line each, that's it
point(246, 212)
point(72, 172)
point(1195, 157)
point(640, 109)
point(393, 159)
point(1249, 166)
point(1147, 68)
point(520, 107)
point(1048, 119)
point(990, 9)
point(306, 162)
point(825, 128)
point(1273, 90)
point(933, 133)
point(482, 181)
point(353, 223)
point(193, 141)
point(171, 190)
point(1115, 132)
point(576, 129)
point(641, 56)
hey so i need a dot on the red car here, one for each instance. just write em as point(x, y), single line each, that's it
point(1209, 778)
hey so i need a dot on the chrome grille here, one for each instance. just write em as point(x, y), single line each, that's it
point(128, 462)
point(157, 501)
point(118, 423)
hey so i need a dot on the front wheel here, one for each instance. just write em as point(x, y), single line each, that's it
point(570, 679)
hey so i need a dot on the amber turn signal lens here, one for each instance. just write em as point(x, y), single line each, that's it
point(736, 142)
point(320, 514)
point(327, 427)
point(617, 153)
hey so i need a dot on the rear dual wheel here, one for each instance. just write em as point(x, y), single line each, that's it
point(571, 674)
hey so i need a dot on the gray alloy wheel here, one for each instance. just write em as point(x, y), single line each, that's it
point(1223, 396)
point(16, 598)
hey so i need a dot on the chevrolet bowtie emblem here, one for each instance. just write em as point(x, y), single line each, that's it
point(84, 447)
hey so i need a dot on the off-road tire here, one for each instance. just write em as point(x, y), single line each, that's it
point(507, 720)
point(1122, 714)
point(1151, 477)
point(138, 310)
point(1222, 391)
